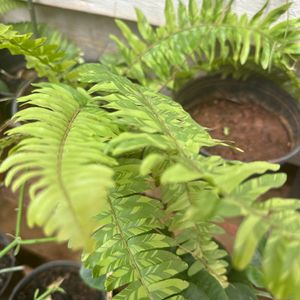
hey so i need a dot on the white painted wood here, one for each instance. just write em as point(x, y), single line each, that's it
point(152, 9)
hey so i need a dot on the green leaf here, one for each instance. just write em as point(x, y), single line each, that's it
point(240, 173)
point(251, 189)
point(152, 161)
point(144, 26)
point(247, 239)
point(246, 47)
point(63, 132)
point(239, 291)
point(170, 15)
point(183, 20)
point(281, 265)
point(134, 42)
point(256, 18)
point(205, 286)
point(193, 11)
point(275, 14)
point(178, 173)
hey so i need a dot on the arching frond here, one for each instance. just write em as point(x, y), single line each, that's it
point(53, 37)
point(47, 59)
point(62, 154)
point(196, 36)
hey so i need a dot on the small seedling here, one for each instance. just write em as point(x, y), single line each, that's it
point(226, 131)
point(51, 289)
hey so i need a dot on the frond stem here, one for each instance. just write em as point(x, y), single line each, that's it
point(60, 180)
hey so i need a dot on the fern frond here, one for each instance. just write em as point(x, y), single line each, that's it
point(158, 116)
point(53, 37)
point(207, 182)
point(7, 5)
point(130, 251)
point(72, 142)
point(47, 60)
point(202, 35)
point(193, 237)
point(62, 153)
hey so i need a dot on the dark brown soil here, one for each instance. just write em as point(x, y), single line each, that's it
point(5, 262)
point(261, 134)
point(74, 287)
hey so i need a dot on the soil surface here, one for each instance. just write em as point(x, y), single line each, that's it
point(74, 287)
point(261, 134)
point(5, 262)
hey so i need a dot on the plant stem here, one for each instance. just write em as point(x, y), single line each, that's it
point(19, 242)
point(49, 292)
point(12, 269)
point(37, 241)
point(9, 247)
point(33, 19)
point(20, 210)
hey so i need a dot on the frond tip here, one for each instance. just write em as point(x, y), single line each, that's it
point(61, 153)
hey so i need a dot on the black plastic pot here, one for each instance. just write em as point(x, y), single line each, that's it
point(44, 275)
point(261, 91)
point(6, 261)
point(11, 63)
point(10, 66)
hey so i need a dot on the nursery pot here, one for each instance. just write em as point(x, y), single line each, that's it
point(16, 78)
point(51, 272)
point(7, 261)
point(266, 118)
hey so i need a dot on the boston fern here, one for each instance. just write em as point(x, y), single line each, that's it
point(114, 168)
point(207, 38)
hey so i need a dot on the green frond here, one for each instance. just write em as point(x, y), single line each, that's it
point(52, 37)
point(196, 36)
point(158, 116)
point(281, 261)
point(205, 189)
point(121, 163)
point(131, 248)
point(48, 60)
point(62, 155)
point(8, 5)
point(195, 237)
point(204, 286)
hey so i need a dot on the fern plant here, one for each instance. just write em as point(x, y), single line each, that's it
point(114, 168)
point(206, 39)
